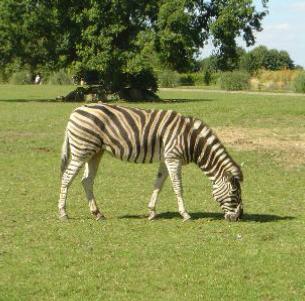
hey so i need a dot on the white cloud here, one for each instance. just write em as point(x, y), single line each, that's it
point(282, 26)
point(298, 6)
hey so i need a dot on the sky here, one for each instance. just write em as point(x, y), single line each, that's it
point(283, 29)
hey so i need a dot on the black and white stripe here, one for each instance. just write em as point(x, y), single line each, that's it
point(146, 136)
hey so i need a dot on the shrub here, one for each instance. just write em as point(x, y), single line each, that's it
point(145, 79)
point(236, 80)
point(207, 76)
point(2, 78)
point(198, 78)
point(60, 77)
point(299, 83)
point(23, 77)
point(186, 80)
point(168, 79)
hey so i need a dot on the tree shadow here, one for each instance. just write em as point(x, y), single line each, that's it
point(163, 101)
point(183, 100)
point(259, 218)
point(30, 100)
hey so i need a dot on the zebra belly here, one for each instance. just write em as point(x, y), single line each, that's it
point(135, 155)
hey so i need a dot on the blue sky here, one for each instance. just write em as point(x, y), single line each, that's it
point(283, 29)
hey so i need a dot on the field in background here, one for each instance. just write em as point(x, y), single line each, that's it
point(281, 80)
point(263, 80)
point(126, 257)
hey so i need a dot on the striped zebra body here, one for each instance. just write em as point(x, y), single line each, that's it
point(146, 136)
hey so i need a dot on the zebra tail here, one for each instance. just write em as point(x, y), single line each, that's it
point(65, 153)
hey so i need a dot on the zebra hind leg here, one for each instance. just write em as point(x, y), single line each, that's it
point(174, 169)
point(88, 181)
point(66, 180)
point(160, 179)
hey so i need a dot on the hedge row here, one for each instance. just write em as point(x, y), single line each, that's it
point(236, 80)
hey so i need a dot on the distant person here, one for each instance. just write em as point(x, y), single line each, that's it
point(37, 80)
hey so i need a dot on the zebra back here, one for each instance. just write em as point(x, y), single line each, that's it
point(140, 136)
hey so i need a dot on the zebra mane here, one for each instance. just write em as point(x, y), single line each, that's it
point(203, 130)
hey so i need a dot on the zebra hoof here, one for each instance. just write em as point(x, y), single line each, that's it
point(152, 216)
point(64, 218)
point(100, 217)
point(186, 216)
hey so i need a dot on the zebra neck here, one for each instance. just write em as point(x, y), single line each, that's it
point(212, 158)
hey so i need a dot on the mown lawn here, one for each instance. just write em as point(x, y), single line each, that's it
point(126, 257)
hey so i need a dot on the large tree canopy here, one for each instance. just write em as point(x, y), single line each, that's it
point(121, 40)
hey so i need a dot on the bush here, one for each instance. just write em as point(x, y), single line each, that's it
point(21, 78)
point(168, 79)
point(236, 80)
point(145, 79)
point(299, 83)
point(207, 76)
point(198, 78)
point(2, 78)
point(60, 77)
point(186, 80)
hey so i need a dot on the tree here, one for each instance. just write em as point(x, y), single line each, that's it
point(121, 41)
point(253, 60)
point(261, 57)
point(24, 36)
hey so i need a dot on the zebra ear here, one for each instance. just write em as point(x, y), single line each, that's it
point(228, 175)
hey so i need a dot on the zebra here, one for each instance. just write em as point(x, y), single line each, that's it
point(146, 136)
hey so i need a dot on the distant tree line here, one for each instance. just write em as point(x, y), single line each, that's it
point(259, 58)
point(122, 43)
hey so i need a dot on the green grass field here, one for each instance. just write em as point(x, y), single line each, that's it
point(127, 257)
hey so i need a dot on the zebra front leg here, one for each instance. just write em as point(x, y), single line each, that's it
point(67, 178)
point(174, 169)
point(160, 179)
point(88, 181)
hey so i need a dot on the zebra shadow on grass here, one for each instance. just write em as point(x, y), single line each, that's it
point(247, 217)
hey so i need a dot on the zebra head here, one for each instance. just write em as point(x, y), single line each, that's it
point(227, 192)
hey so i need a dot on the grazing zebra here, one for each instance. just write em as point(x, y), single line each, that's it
point(145, 136)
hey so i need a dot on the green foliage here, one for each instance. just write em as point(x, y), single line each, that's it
point(29, 33)
point(250, 63)
point(263, 58)
point(236, 80)
point(299, 83)
point(198, 78)
point(277, 60)
point(168, 78)
point(21, 78)
point(186, 80)
point(60, 77)
point(207, 76)
point(120, 40)
point(2, 78)
point(258, 58)
point(139, 74)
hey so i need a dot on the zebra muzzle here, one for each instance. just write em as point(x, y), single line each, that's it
point(231, 217)
point(234, 216)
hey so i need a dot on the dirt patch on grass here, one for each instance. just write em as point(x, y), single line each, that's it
point(42, 149)
point(287, 146)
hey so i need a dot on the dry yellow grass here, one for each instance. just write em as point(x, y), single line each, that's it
point(273, 80)
point(286, 144)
